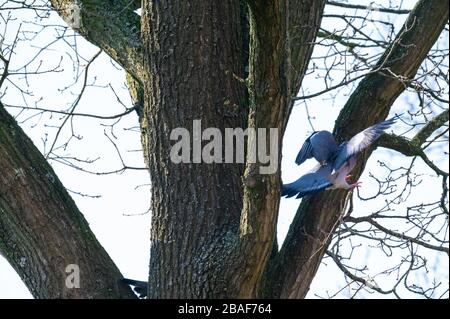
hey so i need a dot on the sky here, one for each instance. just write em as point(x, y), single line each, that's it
point(119, 217)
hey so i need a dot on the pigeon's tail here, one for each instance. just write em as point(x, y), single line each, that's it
point(294, 189)
point(288, 190)
point(140, 287)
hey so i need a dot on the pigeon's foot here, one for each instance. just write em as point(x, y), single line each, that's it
point(354, 185)
point(347, 178)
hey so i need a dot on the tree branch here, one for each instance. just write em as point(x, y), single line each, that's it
point(303, 22)
point(318, 216)
point(136, 4)
point(355, 278)
point(369, 7)
point(413, 147)
point(394, 233)
point(431, 126)
point(282, 34)
point(41, 229)
point(113, 26)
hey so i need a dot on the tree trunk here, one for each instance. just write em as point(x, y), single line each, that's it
point(208, 238)
point(194, 72)
point(41, 230)
point(213, 225)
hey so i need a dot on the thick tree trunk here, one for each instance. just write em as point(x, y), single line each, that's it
point(195, 72)
point(41, 230)
point(277, 66)
point(213, 226)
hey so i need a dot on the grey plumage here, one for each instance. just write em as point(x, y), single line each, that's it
point(320, 145)
point(336, 162)
point(310, 183)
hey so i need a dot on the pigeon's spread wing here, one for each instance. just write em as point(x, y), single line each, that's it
point(308, 184)
point(320, 145)
point(360, 141)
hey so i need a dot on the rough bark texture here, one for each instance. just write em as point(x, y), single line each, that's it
point(41, 229)
point(216, 238)
point(112, 25)
point(277, 67)
point(194, 72)
point(317, 217)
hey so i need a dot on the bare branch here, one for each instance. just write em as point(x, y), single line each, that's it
point(369, 7)
point(413, 147)
point(395, 234)
point(430, 127)
point(75, 103)
point(369, 104)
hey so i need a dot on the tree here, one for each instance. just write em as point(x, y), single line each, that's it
point(232, 64)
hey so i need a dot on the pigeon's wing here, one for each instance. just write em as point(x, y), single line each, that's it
point(324, 146)
point(309, 183)
point(306, 151)
point(320, 145)
point(360, 141)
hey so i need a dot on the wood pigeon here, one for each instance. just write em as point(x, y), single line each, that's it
point(336, 162)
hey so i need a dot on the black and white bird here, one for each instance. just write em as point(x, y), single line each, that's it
point(335, 161)
point(139, 287)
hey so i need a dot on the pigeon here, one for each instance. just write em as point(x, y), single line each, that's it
point(335, 162)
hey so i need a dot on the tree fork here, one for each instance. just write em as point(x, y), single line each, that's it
point(41, 229)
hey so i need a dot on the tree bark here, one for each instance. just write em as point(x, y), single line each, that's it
point(194, 72)
point(277, 66)
point(113, 26)
point(42, 231)
point(212, 235)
